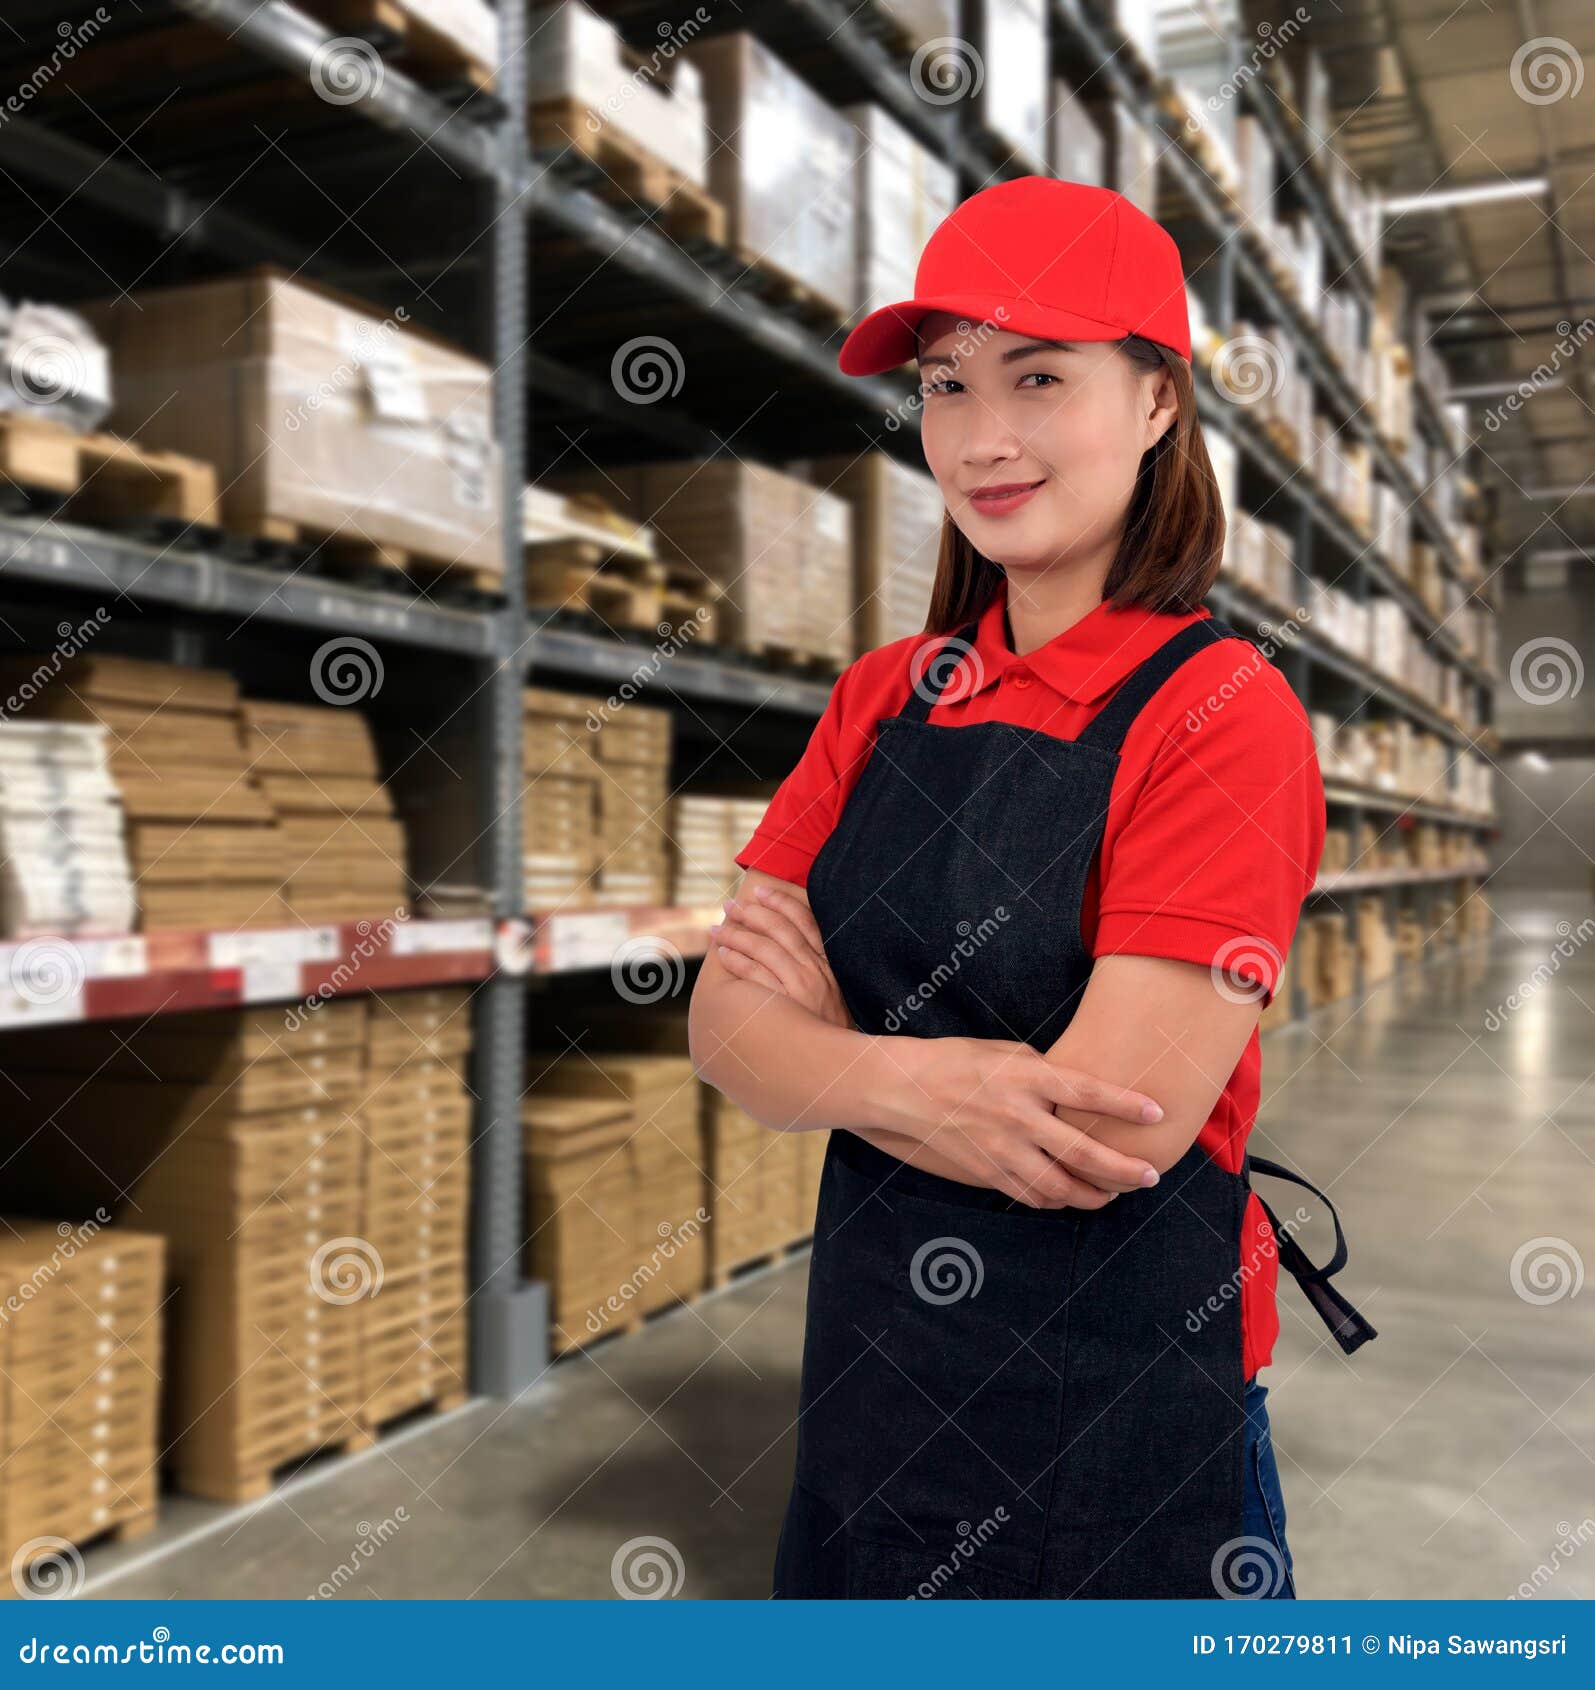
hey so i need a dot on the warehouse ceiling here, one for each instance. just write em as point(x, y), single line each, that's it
point(1441, 94)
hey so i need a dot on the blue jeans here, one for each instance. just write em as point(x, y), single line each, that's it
point(1268, 1571)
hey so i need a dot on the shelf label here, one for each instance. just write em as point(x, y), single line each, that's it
point(269, 945)
point(114, 959)
point(428, 938)
point(265, 981)
point(588, 939)
point(321, 944)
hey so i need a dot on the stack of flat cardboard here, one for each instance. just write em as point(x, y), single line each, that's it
point(779, 548)
point(342, 853)
point(895, 513)
point(662, 1097)
point(633, 747)
point(80, 1361)
point(415, 1196)
point(204, 844)
point(229, 1133)
point(559, 818)
point(63, 853)
point(581, 1212)
point(762, 1186)
point(706, 834)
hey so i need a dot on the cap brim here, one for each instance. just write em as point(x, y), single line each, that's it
point(884, 340)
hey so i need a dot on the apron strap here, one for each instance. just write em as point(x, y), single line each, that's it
point(1106, 730)
point(1348, 1328)
point(930, 681)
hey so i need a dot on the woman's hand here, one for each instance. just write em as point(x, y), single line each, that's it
point(985, 1106)
point(775, 941)
point(976, 1110)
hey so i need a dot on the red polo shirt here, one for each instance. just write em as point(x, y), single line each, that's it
point(1214, 830)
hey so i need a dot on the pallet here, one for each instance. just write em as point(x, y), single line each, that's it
point(619, 171)
point(376, 1421)
point(620, 588)
point(688, 599)
point(573, 1342)
point(54, 1548)
point(783, 291)
point(721, 1277)
point(807, 664)
point(46, 469)
point(284, 543)
point(252, 1484)
point(414, 45)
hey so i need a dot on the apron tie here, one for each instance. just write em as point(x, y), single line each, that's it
point(1348, 1328)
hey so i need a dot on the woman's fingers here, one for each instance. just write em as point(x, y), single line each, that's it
point(777, 925)
point(1043, 1184)
point(745, 968)
point(795, 910)
point(777, 958)
point(1075, 1090)
point(1093, 1160)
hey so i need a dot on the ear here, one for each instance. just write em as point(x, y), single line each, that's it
point(1162, 406)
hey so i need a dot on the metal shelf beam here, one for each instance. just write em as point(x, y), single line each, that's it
point(286, 37)
point(90, 561)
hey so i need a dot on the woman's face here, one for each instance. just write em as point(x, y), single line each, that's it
point(1065, 425)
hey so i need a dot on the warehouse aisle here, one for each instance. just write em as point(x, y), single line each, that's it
point(1433, 1463)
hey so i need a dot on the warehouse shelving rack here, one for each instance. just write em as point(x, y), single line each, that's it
point(514, 189)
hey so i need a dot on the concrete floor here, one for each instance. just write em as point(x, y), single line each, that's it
point(1452, 1457)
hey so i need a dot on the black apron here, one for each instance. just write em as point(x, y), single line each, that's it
point(998, 1400)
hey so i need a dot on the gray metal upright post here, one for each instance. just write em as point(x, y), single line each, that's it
point(509, 1326)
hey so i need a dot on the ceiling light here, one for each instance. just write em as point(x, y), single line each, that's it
point(1477, 193)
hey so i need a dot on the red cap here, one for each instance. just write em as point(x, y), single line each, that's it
point(1037, 256)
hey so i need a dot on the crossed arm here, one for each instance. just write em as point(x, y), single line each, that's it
point(1120, 1096)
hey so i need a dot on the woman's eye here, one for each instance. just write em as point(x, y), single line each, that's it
point(1038, 375)
point(945, 385)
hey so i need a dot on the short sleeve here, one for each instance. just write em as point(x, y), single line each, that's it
point(1221, 848)
point(808, 802)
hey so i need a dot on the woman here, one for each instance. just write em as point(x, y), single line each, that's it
point(1006, 931)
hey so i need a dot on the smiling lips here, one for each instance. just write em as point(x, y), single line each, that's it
point(1003, 497)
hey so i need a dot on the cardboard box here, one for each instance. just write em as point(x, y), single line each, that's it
point(790, 207)
point(322, 418)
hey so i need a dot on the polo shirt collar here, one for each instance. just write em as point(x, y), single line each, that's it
point(1083, 663)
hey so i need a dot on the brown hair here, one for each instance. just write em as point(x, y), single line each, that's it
point(1173, 540)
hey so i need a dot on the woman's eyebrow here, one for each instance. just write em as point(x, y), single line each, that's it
point(933, 360)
